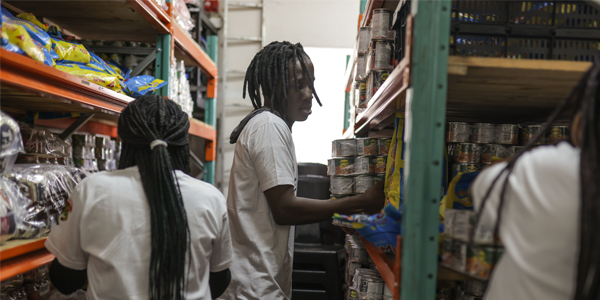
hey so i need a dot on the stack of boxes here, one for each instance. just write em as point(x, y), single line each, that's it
point(95, 153)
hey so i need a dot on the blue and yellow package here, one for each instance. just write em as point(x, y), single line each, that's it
point(382, 229)
point(16, 36)
point(97, 63)
point(125, 72)
point(394, 176)
point(458, 192)
point(91, 74)
point(140, 85)
point(31, 18)
point(35, 32)
point(69, 52)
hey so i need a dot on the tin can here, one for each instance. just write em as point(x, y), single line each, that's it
point(529, 132)
point(366, 146)
point(381, 56)
point(364, 165)
point(361, 67)
point(343, 148)
point(384, 146)
point(492, 152)
point(556, 134)
point(475, 287)
point(507, 134)
point(83, 140)
point(371, 287)
point(358, 254)
point(468, 153)
point(459, 249)
point(512, 150)
point(464, 168)
point(375, 81)
point(482, 260)
point(483, 133)
point(458, 132)
point(381, 23)
point(379, 178)
point(342, 185)
point(381, 164)
point(351, 267)
point(364, 38)
point(340, 166)
point(363, 182)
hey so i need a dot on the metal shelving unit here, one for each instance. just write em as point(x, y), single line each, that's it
point(433, 87)
point(27, 85)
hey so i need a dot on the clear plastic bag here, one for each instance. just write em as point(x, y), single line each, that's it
point(39, 141)
point(10, 216)
point(182, 15)
point(12, 143)
point(44, 190)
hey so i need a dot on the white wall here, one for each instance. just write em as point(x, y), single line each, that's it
point(315, 24)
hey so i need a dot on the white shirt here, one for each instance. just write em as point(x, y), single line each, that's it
point(264, 158)
point(108, 232)
point(540, 224)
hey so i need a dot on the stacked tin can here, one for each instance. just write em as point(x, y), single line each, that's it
point(95, 153)
point(362, 278)
point(375, 58)
point(471, 146)
point(357, 164)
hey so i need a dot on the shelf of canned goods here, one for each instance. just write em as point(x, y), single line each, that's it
point(36, 90)
point(461, 84)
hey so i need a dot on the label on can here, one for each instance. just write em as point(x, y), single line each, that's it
point(556, 134)
point(468, 153)
point(483, 133)
point(529, 132)
point(384, 146)
point(382, 56)
point(363, 183)
point(366, 146)
point(380, 164)
point(464, 168)
point(507, 134)
point(341, 166)
point(342, 185)
point(364, 165)
point(458, 132)
point(343, 148)
point(381, 24)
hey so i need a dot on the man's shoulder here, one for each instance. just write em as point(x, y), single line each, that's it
point(265, 121)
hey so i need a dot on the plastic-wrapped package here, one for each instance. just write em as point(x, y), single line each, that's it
point(10, 216)
point(162, 4)
point(44, 190)
point(182, 15)
point(39, 141)
point(12, 143)
point(140, 85)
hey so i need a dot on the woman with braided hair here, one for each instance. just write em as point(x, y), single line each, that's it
point(149, 230)
point(544, 204)
point(262, 202)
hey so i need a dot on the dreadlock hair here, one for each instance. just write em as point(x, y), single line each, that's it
point(269, 70)
point(583, 100)
point(147, 119)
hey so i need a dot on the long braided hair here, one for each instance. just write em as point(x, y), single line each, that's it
point(582, 100)
point(144, 121)
point(269, 70)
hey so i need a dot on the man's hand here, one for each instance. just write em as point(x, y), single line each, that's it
point(372, 201)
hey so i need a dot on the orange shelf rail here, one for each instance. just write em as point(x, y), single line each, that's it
point(23, 263)
point(205, 131)
point(152, 13)
point(390, 272)
point(26, 74)
point(16, 248)
point(91, 126)
point(193, 51)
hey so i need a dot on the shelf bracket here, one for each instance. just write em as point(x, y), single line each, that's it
point(197, 161)
point(75, 126)
point(144, 63)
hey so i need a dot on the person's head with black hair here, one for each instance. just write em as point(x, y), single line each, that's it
point(284, 74)
point(584, 101)
point(154, 132)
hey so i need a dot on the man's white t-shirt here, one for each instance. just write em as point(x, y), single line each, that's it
point(108, 232)
point(540, 224)
point(265, 157)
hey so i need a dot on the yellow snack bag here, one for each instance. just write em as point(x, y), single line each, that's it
point(395, 164)
point(71, 52)
point(91, 75)
point(18, 36)
point(31, 18)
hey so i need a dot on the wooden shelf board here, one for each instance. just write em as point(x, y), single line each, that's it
point(508, 90)
point(23, 263)
point(14, 248)
point(96, 20)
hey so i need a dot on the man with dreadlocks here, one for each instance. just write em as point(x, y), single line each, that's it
point(544, 204)
point(262, 202)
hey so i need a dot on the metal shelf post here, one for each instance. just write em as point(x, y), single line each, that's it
point(163, 61)
point(425, 118)
point(210, 115)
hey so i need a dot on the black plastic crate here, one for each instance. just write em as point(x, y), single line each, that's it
point(557, 30)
